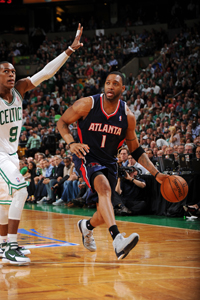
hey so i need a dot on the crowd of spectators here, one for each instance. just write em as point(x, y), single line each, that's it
point(165, 98)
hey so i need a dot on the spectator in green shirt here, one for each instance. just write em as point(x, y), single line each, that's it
point(45, 105)
point(43, 119)
point(33, 144)
point(22, 167)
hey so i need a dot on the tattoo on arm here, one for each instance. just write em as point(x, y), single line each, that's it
point(65, 126)
point(131, 139)
point(145, 162)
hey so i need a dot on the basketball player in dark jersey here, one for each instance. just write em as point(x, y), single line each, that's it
point(104, 123)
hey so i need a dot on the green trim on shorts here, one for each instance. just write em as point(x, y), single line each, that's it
point(5, 202)
point(11, 185)
point(13, 154)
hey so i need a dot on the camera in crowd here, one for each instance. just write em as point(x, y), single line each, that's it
point(123, 170)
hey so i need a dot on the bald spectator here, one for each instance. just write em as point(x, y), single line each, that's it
point(153, 144)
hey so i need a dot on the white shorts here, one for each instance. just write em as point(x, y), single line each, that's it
point(10, 177)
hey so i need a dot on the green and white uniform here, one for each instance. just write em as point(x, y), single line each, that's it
point(10, 128)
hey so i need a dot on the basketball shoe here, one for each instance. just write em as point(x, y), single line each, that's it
point(21, 248)
point(43, 200)
point(87, 236)
point(14, 255)
point(123, 246)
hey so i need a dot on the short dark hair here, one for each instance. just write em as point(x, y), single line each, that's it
point(118, 73)
point(5, 62)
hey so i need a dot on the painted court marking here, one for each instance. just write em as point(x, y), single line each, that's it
point(34, 233)
point(115, 264)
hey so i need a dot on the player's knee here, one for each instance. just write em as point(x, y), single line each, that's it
point(102, 186)
point(4, 214)
point(17, 205)
point(105, 190)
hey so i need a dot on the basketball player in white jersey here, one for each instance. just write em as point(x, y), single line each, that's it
point(13, 191)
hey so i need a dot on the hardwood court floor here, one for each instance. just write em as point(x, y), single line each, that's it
point(165, 265)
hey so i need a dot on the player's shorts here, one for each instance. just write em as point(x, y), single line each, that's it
point(87, 170)
point(10, 177)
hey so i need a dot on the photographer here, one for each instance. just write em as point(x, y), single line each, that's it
point(130, 187)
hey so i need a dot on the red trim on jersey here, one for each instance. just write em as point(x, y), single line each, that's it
point(84, 174)
point(79, 133)
point(82, 168)
point(103, 111)
point(120, 144)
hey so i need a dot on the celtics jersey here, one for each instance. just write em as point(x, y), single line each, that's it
point(10, 123)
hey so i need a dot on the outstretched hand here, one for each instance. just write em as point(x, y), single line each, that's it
point(76, 43)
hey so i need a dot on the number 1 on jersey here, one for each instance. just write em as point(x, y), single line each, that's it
point(103, 141)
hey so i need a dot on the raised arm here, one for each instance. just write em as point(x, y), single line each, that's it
point(29, 83)
point(137, 152)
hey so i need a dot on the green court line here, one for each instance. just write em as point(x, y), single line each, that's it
point(183, 222)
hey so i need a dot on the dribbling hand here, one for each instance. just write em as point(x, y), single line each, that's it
point(161, 177)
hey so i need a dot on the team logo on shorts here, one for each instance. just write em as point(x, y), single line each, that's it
point(17, 178)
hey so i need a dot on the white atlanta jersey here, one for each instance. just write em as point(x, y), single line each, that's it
point(10, 123)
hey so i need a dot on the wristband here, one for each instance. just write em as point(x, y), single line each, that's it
point(156, 174)
point(71, 143)
point(132, 179)
point(137, 153)
point(70, 48)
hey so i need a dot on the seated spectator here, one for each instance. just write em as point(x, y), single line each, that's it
point(123, 153)
point(33, 144)
point(189, 148)
point(137, 165)
point(181, 148)
point(88, 71)
point(58, 185)
point(151, 156)
point(80, 199)
point(197, 153)
point(30, 175)
point(113, 63)
point(49, 141)
point(70, 188)
point(174, 137)
point(131, 190)
point(160, 141)
point(160, 153)
point(56, 176)
point(89, 82)
point(23, 167)
point(41, 191)
point(28, 125)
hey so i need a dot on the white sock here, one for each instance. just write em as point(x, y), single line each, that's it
point(12, 238)
point(3, 239)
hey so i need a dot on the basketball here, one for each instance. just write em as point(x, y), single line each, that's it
point(174, 188)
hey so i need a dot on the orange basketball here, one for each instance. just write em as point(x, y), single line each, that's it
point(174, 188)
